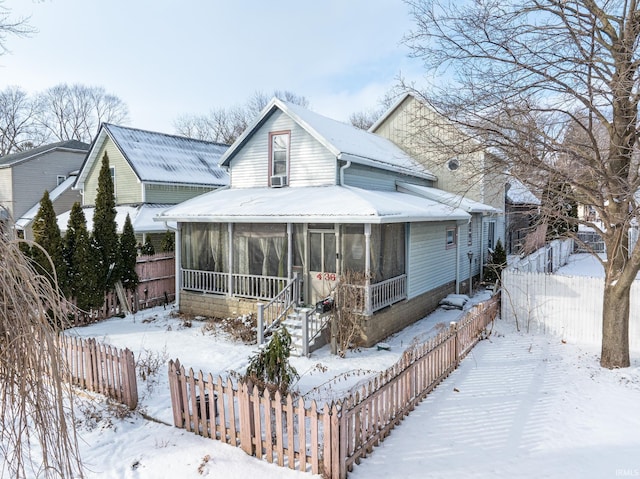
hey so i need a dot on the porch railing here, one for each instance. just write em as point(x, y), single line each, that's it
point(271, 313)
point(205, 281)
point(245, 285)
point(387, 292)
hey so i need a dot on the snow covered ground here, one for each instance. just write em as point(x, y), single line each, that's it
point(520, 405)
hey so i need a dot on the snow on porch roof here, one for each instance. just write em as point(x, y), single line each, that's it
point(141, 218)
point(326, 204)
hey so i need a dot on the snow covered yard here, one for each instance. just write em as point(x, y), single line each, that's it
point(520, 405)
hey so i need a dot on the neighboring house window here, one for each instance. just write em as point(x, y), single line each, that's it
point(470, 239)
point(60, 179)
point(279, 158)
point(491, 235)
point(112, 170)
point(451, 238)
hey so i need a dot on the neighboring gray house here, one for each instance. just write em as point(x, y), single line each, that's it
point(150, 172)
point(311, 199)
point(25, 176)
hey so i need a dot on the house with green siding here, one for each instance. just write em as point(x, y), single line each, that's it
point(151, 171)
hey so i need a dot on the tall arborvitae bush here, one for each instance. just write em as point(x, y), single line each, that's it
point(270, 367)
point(105, 236)
point(148, 248)
point(82, 279)
point(497, 264)
point(47, 234)
point(128, 255)
point(168, 243)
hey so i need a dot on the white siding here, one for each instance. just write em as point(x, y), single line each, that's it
point(430, 263)
point(6, 190)
point(310, 163)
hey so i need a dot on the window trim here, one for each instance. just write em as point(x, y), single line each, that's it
point(272, 134)
point(453, 243)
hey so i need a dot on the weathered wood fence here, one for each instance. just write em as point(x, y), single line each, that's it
point(328, 439)
point(156, 274)
point(100, 368)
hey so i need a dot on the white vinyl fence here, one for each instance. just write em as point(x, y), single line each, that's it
point(546, 260)
point(570, 307)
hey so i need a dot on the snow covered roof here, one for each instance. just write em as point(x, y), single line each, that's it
point(325, 204)
point(14, 158)
point(518, 194)
point(451, 199)
point(160, 158)
point(141, 218)
point(26, 219)
point(345, 141)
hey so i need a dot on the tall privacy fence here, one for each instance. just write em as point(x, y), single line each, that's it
point(100, 368)
point(326, 439)
point(570, 307)
point(156, 275)
point(545, 260)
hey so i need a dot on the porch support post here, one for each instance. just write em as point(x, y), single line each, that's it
point(305, 332)
point(230, 260)
point(289, 250)
point(367, 269)
point(178, 265)
point(482, 248)
point(260, 323)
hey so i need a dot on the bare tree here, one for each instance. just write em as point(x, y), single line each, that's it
point(18, 129)
point(11, 26)
point(74, 112)
point(365, 118)
point(37, 431)
point(519, 76)
point(224, 125)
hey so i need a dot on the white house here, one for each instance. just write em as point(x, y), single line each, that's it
point(311, 199)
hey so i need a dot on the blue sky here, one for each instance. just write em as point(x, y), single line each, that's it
point(165, 58)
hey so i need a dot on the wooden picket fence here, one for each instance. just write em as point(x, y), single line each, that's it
point(156, 286)
point(100, 368)
point(325, 440)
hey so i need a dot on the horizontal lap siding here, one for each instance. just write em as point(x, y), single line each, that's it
point(374, 179)
point(31, 178)
point(430, 263)
point(172, 194)
point(127, 187)
point(310, 163)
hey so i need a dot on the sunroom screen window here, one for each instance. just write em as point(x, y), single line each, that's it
point(260, 249)
point(387, 251)
point(353, 247)
point(204, 247)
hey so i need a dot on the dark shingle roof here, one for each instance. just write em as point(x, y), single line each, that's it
point(14, 158)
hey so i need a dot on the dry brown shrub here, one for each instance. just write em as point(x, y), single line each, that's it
point(37, 430)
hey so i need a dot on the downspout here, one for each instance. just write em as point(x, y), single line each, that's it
point(178, 258)
point(482, 248)
point(342, 168)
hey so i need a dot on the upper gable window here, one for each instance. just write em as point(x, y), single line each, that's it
point(279, 143)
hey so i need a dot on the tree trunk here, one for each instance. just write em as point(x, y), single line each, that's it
point(615, 326)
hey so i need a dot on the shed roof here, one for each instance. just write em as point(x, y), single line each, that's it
point(344, 141)
point(451, 199)
point(161, 158)
point(323, 204)
point(141, 218)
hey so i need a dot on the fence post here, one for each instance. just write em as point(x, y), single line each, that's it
point(260, 323)
point(246, 419)
point(453, 326)
point(176, 397)
point(305, 333)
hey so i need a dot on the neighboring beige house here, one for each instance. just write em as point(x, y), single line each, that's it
point(150, 172)
point(25, 176)
point(462, 166)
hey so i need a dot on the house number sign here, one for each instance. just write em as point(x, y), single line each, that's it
point(326, 276)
